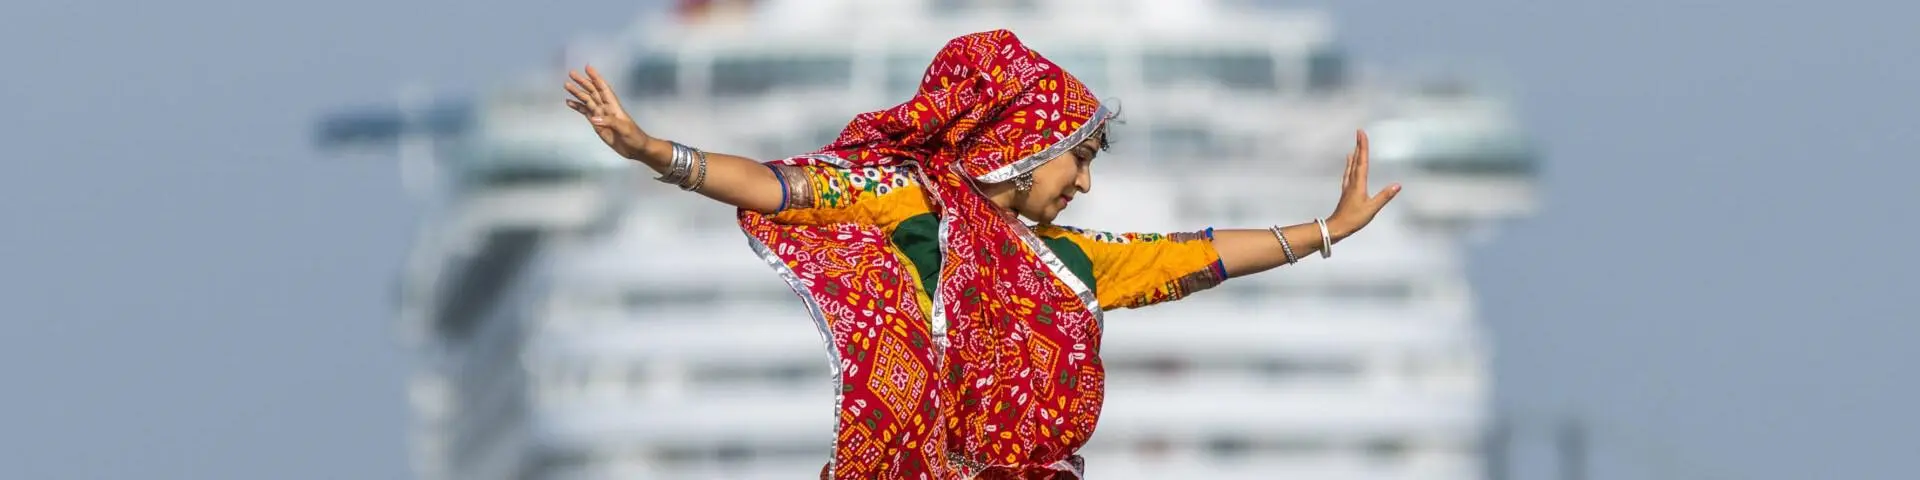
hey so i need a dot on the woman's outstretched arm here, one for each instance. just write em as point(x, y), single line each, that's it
point(735, 180)
point(1133, 270)
point(1250, 251)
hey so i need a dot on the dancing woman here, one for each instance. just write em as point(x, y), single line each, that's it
point(965, 343)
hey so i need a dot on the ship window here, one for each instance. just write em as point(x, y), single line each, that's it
point(644, 300)
point(654, 76)
point(1228, 447)
point(1326, 70)
point(1390, 291)
point(1250, 291)
point(1477, 155)
point(1297, 447)
point(783, 374)
point(1294, 368)
point(1189, 139)
point(732, 454)
point(1153, 447)
point(649, 298)
point(1181, 141)
point(562, 463)
point(678, 456)
point(1159, 367)
point(1388, 449)
point(743, 76)
point(1234, 70)
point(527, 176)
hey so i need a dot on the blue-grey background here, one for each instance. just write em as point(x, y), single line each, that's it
point(1721, 280)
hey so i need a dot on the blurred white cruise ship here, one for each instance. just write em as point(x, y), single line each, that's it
point(574, 320)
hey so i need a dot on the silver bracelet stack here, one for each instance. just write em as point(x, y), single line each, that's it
point(683, 172)
point(1284, 246)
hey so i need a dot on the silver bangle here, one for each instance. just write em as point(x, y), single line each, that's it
point(1326, 239)
point(678, 169)
point(700, 175)
point(673, 167)
point(1284, 247)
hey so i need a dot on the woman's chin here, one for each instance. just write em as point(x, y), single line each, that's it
point(1043, 217)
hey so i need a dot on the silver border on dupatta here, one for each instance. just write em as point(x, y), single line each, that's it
point(1060, 271)
point(819, 321)
point(829, 158)
point(1041, 250)
point(1100, 116)
point(780, 267)
point(938, 317)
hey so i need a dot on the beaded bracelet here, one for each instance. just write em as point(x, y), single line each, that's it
point(1284, 247)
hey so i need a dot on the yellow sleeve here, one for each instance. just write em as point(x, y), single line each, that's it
point(823, 194)
point(1133, 270)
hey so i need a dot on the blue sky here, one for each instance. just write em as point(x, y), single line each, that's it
point(1716, 280)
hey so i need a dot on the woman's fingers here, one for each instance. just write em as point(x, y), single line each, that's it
point(580, 79)
point(1360, 160)
point(1346, 175)
point(1386, 195)
point(580, 95)
point(579, 107)
point(587, 87)
point(601, 89)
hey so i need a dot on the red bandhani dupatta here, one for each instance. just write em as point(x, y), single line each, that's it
point(1002, 379)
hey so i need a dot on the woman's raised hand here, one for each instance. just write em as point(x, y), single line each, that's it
point(596, 101)
point(1357, 207)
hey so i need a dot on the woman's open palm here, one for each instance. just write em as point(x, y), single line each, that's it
point(593, 98)
point(1357, 207)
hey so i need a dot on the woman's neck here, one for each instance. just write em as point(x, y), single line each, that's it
point(1001, 195)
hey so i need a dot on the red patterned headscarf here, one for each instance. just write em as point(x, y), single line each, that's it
point(1002, 377)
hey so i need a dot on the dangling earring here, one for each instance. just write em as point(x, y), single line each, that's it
point(1023, 183)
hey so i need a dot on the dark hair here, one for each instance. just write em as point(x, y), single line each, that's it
point(1106, 141)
